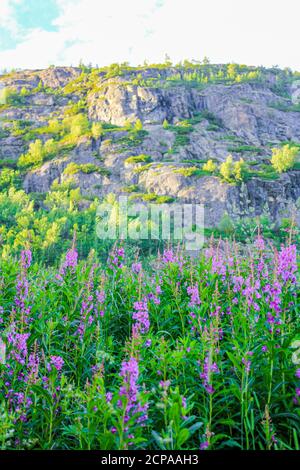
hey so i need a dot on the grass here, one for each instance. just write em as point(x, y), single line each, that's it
point(245, 149)
point(151, 197)
point(87, 168)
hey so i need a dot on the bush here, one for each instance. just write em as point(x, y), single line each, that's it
point(50, 148)
point(232, 171)
point(165, 124)
point(188, 171)
point(284, 159)
point(34, 156)
point(138, 159)
point(86, 168)
point(9, 178)
point(138, 125)
point(10, 96)
point(97, 130)
point(210, 166)
point(77, 125)
point(54, 126)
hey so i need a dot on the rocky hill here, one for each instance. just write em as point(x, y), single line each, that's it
point(149, 131)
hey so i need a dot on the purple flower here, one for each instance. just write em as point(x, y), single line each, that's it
point(165, 384)
point(100, 295)
point(297, 374)
point(287, 264)
point(57, 362)
point(87, 307)
point(169, 257)
point(19, 345)
point(26, 258)
point(70, 262)
point(116, 259)
point(204, 445)
point(136, 268)
point(209, 368)
point(33, 367)
point(141, 316)
point(247, 364)
point(219, 266)
point(129, 389)
point(193, 292)
point(260, 243)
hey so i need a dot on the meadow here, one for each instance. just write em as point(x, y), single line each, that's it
point(167, 353)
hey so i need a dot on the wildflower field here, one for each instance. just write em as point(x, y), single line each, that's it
point(169, 354)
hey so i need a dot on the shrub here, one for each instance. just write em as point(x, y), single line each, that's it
point(34, 156)
point(138, 159)
point(11, 97)
point(240, 170)
point(284, 159)
point(165, 124)
point(210, 166)
point(232, 171)
point(188, 171)
point(77, 125)
point(50, 148)
point(133, 188)
point(97, 130)
point(138, 125)
point(54, 126)
point(9, 178)
point(86, 168)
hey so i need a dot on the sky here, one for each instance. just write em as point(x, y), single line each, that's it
point(38, 33)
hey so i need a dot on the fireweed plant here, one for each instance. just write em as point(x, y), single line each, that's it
point(181, 354)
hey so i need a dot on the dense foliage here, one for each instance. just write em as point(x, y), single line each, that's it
point(178, 355)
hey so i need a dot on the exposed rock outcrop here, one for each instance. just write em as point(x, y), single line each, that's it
point(245, 119)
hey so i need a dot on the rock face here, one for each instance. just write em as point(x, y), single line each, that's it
point(118, 102)
point(246, 110)
point(245, 119)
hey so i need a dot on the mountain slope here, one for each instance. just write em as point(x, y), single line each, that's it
point(170, 120)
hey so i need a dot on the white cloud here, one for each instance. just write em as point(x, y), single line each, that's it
point(106, 31)
point(7, 19)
